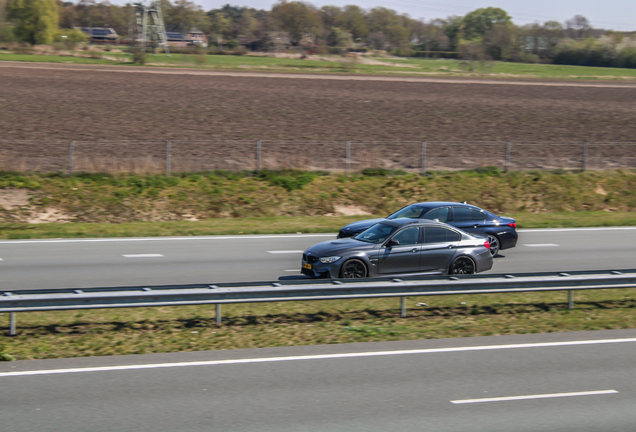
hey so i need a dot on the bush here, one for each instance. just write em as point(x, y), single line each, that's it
point(239, 51)
point(288, 179)
point(626, 58)
point(139, 56)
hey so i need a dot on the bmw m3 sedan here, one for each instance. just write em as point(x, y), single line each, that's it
point(400, 246)
point(501, 230)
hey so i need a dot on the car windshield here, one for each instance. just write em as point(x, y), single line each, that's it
point(412, 211)
point(376, 234)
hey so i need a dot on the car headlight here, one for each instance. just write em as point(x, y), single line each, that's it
point(329, 260)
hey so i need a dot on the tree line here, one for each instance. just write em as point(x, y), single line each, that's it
point(483, 34)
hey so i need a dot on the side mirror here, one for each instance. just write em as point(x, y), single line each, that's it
point(392, 243)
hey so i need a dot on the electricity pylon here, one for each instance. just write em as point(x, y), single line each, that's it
point(150, 27)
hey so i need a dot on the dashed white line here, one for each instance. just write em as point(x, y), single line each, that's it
point(285, 252)
point(142, 256)
point(295, 270)
point(539, 396)
point(542, 245)
point(317, 357)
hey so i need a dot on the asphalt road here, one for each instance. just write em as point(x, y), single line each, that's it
point(583, 382)
point(78, 263)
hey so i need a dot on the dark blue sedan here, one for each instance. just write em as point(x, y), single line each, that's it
point(501, 231)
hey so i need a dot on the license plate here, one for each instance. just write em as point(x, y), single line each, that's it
point(307, 266)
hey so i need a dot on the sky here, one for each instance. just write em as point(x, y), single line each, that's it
point(607, 14)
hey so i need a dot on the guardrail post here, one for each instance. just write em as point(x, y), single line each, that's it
point(258, 156)
point(403, 307)
point(168, 156)
point(71, 149)
point(218, 314)
point(423, 160)
point(570, 299)
point(347, 157)
point(508, 151)
point(585, 146)
point(12, 324)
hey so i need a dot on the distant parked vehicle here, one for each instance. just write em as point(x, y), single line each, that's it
point(400, 247)
point(501, 230)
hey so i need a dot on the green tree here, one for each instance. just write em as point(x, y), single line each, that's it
point(479, 22)
point(36, 21)
point(396, 28)
point(354, 21)
point(296, 18)
point(339, 38)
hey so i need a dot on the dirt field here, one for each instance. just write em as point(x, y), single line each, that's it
point(53, 105)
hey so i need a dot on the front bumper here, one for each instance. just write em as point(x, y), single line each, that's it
point(320, 270)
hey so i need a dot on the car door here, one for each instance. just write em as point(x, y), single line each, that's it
point(403, 258)
point(468, 219)
point(438, 248)
point(440, 214)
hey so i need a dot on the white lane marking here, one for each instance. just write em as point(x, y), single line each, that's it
point(265, 236)
point(542, 245)
point(295, 270)
point(318, 357)
point(541, 230)
point(141, 239)
point(285, 252)
point(142, 256)
point(539, 396)
point(1, 259)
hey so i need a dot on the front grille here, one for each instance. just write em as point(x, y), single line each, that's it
point(304, 257)
point(312, 259)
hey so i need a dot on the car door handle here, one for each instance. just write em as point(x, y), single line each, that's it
point(476, 226)
point(414, 250)
point(451, 246)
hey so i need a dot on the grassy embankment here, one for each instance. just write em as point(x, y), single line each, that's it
point(290, 202)
point(336, 64)
point(101, 205)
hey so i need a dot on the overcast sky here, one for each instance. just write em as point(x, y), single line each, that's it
point(608, 14)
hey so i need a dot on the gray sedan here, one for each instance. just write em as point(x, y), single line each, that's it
point(399, 247)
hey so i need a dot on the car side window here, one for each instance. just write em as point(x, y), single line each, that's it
point(440, 235)
point(408, 236)
point(462, 214)
point(478, 215)
point(440, 214)
point(452, 236)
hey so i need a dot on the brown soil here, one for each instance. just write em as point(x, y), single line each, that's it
point(54, 105)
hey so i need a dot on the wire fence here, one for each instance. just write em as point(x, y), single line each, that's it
point(166, 156)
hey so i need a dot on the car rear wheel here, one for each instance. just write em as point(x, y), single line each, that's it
point(462, 265)
point(354, 268)
point(494, 244)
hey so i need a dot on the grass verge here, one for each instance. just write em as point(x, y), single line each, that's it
point(276, 225)
point(65, 334)
point(336, 64)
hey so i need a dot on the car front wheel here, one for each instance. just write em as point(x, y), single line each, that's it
point(462, 265)
point(354, 268)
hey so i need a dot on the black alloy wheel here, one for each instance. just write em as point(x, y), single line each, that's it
point(354, 268)
point(494, 244)
point(462, 265)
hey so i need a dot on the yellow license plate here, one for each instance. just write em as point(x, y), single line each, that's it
point(307, 266)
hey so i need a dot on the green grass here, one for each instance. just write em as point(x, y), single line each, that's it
point(106, 205)
point(156, 330)
point(403, 66)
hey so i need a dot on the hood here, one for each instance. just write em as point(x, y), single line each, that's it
point(333, 247)
point(360, 226)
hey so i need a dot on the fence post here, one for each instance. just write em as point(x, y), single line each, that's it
point(218, 314)
point(168, 156)
point(347, 157)
point(258, 156)
point(508, 151)
point(12, 324)
point(71, 149)
point(403, 307)
point(585, 145)
point(570, 299)
point(423, 160)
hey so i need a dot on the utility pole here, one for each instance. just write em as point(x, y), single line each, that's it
point(150, 26)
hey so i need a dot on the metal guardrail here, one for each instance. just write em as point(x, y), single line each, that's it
point(301, 290)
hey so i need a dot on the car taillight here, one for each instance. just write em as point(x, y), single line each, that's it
point(514, 225)
point(487, 244)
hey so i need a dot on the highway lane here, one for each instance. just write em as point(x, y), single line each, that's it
point(77, 263)
point(583, 382)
